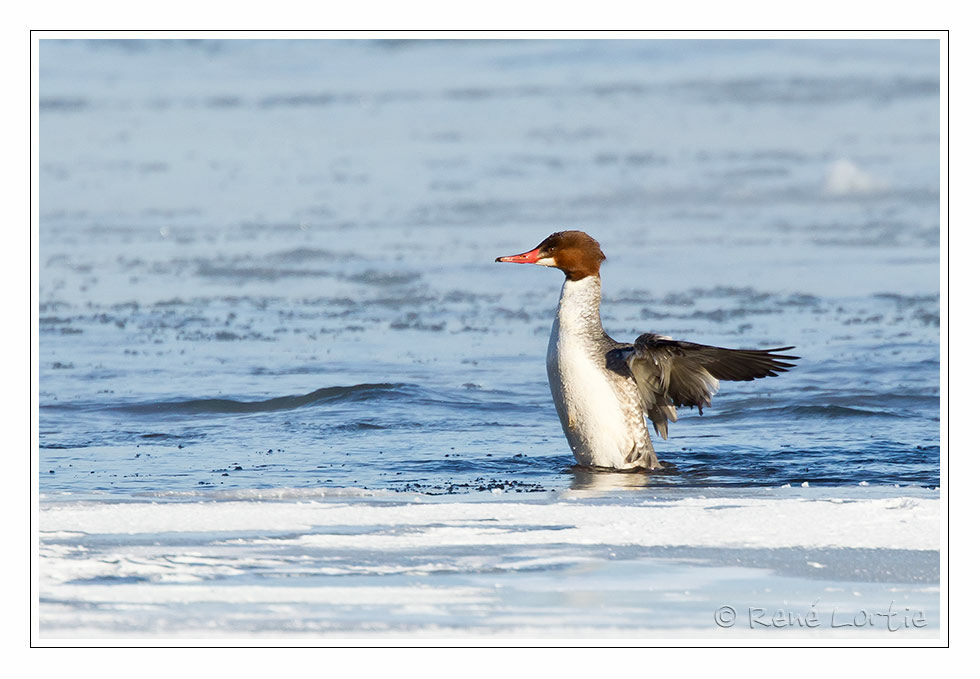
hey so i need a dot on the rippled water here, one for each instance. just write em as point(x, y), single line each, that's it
point(270, 264)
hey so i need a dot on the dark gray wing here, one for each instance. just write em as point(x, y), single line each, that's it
point(670, 373)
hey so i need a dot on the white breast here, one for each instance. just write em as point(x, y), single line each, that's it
point(589, 408)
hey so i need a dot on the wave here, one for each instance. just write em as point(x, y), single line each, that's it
point(823, 411)
point(358, 393)
point(350, 394)
point(355, 393)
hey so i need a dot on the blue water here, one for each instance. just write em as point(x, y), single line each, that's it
point(270, 264)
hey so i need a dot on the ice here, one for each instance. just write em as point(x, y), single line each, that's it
point(844, 178)
point(576, 564)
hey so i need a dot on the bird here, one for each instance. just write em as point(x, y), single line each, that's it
point(603, 389)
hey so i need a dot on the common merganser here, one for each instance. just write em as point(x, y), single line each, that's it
point(602, 388)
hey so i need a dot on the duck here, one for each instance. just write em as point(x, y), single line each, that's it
point(605, 390)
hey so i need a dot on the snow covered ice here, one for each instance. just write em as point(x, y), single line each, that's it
point(568, 565)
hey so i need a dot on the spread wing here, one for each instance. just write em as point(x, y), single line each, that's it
point(670, 373)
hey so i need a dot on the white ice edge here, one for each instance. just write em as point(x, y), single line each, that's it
point(880, 523)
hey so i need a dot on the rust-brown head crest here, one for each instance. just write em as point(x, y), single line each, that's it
point(574, 252)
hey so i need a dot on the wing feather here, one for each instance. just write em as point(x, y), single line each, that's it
point(671, 373)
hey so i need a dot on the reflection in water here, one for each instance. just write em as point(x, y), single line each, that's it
point(604, 480)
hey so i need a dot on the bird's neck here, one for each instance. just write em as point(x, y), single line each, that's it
point(578, 307)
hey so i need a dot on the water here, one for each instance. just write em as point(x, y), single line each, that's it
point(285, 389)
point(270, 263)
